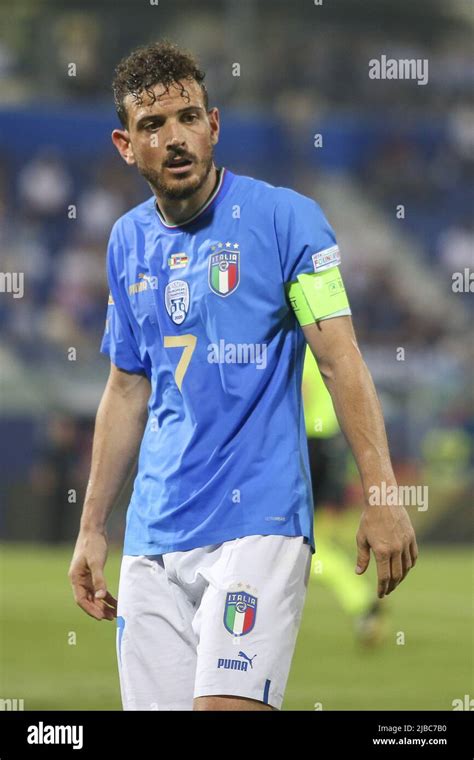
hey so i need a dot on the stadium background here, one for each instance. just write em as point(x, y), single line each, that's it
point(303, 71)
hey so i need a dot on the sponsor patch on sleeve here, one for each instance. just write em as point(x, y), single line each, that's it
point(326, 259)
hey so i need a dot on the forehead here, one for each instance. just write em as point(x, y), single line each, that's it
point(164, 101)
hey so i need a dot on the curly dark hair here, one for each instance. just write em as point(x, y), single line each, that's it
point(158, 63)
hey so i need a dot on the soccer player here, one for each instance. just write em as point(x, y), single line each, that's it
point(217, 282)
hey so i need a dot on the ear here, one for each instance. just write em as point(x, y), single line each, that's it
point(214, 123)
point(121, 140)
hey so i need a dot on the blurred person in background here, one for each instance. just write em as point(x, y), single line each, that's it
point(57, 476)
point(328, 459)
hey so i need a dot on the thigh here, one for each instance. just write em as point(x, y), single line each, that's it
point(229, 704)
point(156, 645)
point(248, 618)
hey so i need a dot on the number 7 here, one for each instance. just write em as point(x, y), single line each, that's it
point(188, 342)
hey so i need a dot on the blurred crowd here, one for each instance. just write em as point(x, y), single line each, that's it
point(308, 71)
point(55, 231)
point(401, 144)
point(314, 56)
point(55, 226)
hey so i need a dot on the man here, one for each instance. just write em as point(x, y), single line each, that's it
point(209, 279)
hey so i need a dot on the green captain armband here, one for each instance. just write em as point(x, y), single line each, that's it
point(317, 295)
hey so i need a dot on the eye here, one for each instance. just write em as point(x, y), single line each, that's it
point(190, 116)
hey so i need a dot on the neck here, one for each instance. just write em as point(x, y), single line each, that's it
point(176, 211)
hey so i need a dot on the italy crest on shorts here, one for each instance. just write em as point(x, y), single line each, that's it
point(224, 272)
point(240, 612)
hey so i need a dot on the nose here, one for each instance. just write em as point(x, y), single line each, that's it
point(174, 138)
point(174, 141)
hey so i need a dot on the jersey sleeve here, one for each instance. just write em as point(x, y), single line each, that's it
point(310, 260)
point(118, 340)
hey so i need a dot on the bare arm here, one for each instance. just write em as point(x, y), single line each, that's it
point(120, 422)
point(385, 529)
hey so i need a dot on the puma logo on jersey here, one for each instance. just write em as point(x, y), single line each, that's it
point(145, 281)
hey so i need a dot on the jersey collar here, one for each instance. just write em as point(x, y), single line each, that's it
point(224, 179)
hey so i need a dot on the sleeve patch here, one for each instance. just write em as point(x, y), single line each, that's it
point(326, 259)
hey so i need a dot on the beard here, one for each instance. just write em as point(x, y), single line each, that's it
point(179, 188)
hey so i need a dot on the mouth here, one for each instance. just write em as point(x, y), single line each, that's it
point(179, 165)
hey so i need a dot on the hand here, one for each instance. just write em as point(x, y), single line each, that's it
point(87, 578)
point(388, 531)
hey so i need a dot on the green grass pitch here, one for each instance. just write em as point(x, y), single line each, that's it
point(433, 608)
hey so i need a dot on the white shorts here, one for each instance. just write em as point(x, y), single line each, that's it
point(216, 620)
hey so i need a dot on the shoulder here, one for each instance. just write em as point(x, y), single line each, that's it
point(282, 201)
point(136, 217)
point(125, 234)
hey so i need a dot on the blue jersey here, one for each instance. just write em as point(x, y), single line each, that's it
point(201, 308)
